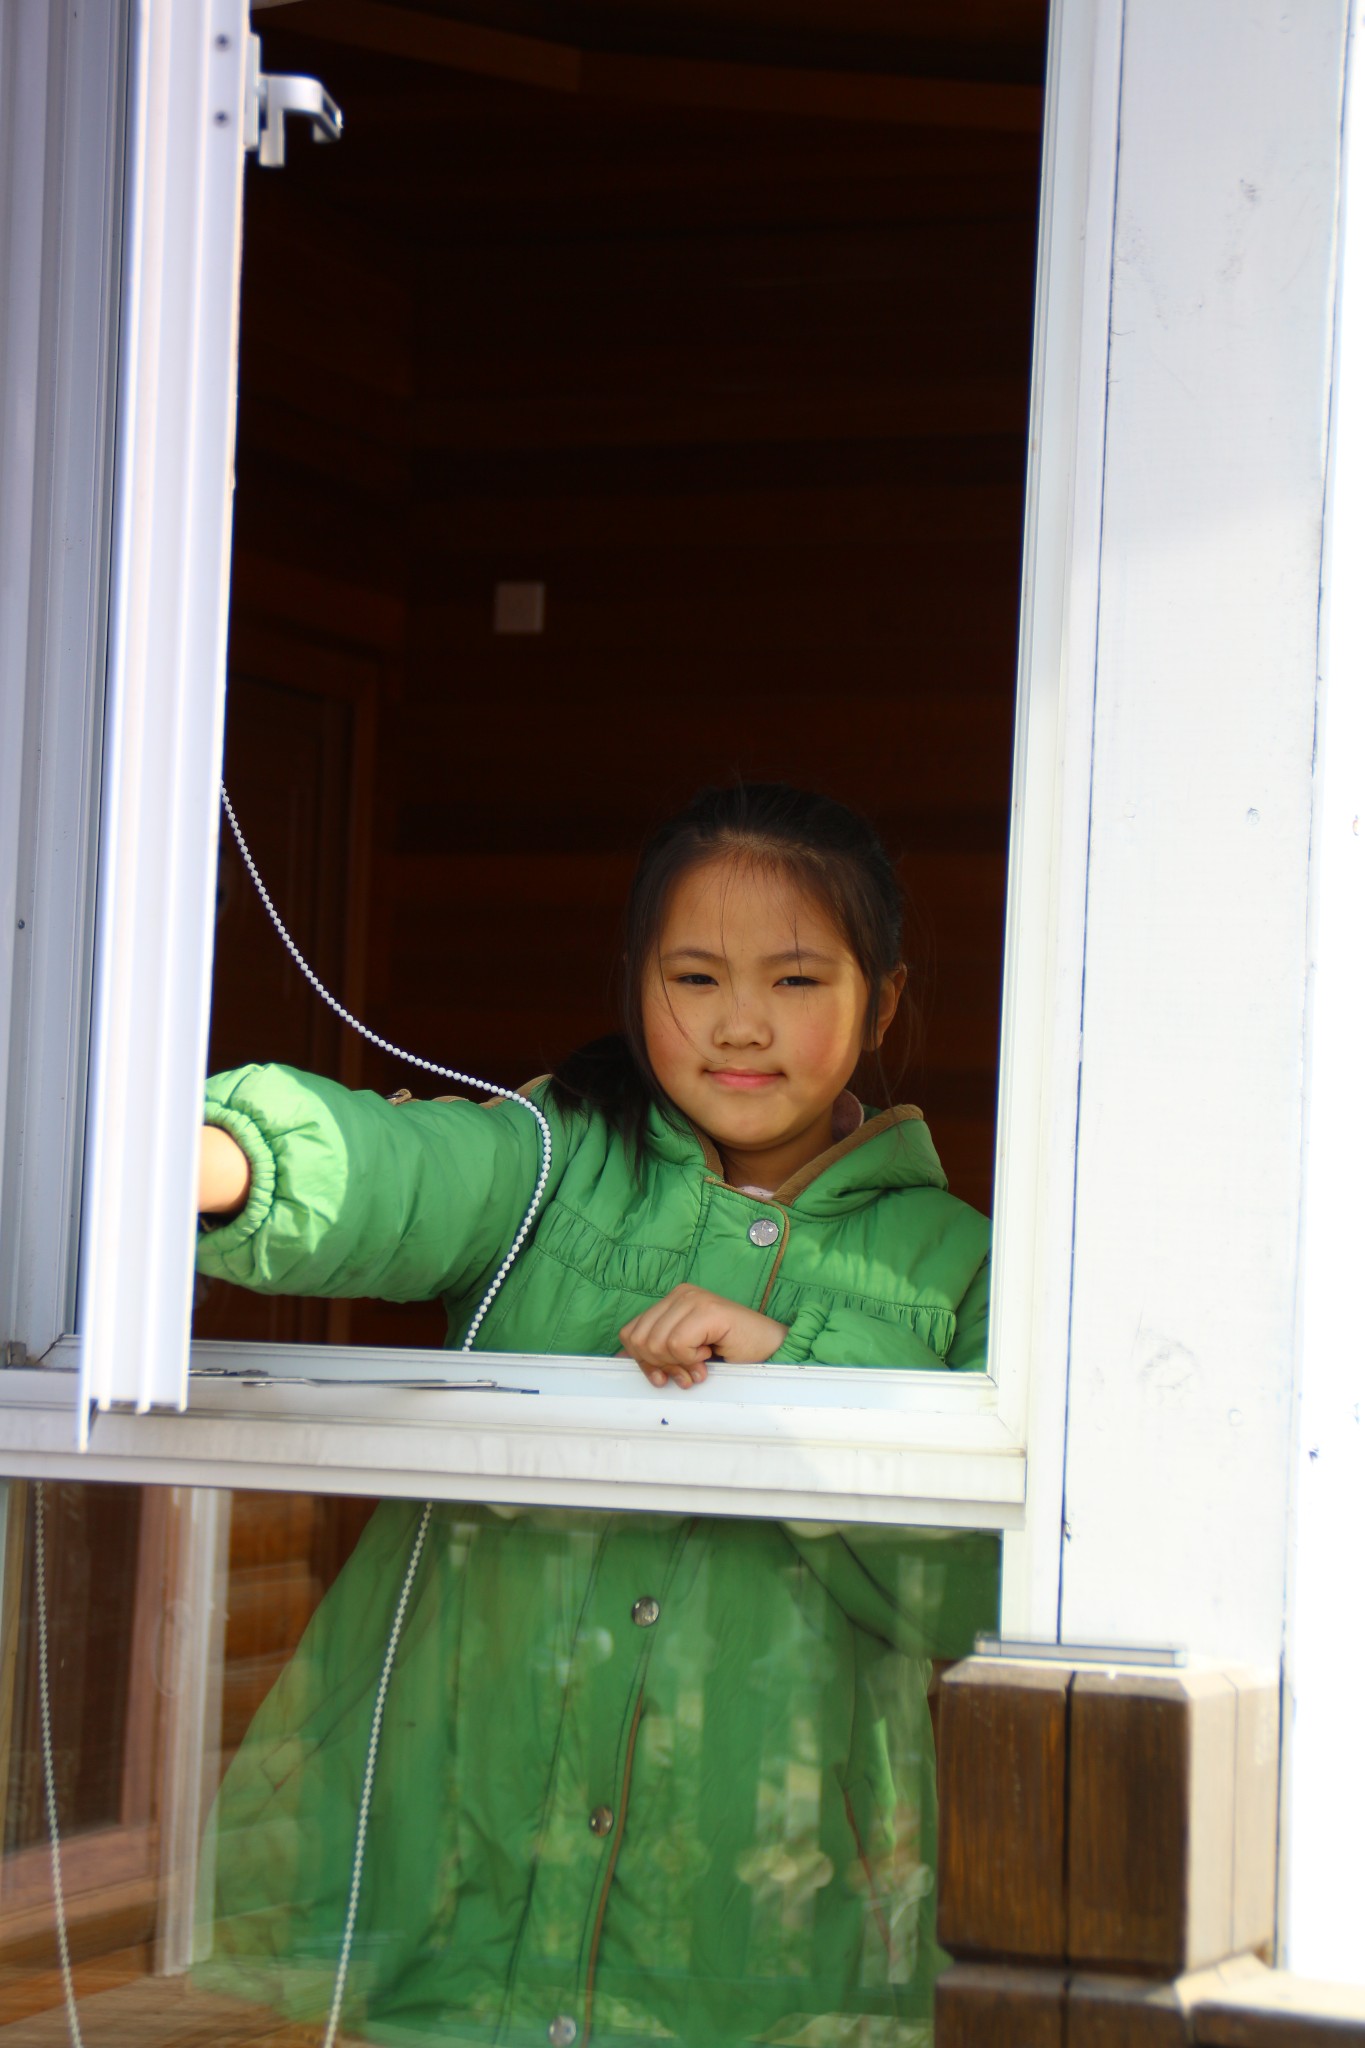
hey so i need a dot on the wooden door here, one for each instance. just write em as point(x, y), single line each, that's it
point(297, 765)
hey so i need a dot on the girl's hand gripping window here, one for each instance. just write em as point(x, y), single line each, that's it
point(678, 1337)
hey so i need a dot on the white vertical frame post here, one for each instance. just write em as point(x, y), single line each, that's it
point(1324, 1783)
point(167, 663)
point(1045, 920)
point(1184, 1299)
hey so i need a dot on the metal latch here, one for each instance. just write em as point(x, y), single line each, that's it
point(270, 95)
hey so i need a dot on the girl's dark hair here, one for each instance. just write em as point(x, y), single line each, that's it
point(819, 844)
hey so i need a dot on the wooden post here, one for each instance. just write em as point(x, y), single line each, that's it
point(1002, 1745)
point(1007, 2007)
point(1161, 1774)
point(1116, 1821)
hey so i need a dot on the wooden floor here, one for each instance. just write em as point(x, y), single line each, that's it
point(161, 2012)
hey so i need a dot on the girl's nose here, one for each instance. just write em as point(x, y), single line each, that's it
point(744, 1024)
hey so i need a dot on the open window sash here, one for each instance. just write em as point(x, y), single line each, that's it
point(952, 1451)
point(176, 422)
point(801, 1441)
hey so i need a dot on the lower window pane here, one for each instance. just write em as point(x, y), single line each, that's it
point(639, 1778)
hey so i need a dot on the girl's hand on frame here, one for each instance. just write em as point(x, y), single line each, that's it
point(224, 1173)
point(678, 1336)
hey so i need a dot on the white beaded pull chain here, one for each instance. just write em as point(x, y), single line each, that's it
point(537, 1195)
point(391, 1650)
point(367, 1786)
point(428, 1066)
point(49, 1770)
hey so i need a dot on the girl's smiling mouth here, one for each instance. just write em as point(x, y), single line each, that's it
point(740, 1077)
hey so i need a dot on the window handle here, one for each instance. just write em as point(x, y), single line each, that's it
point(270, 95)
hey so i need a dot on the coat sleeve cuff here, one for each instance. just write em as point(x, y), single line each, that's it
point(805, 1327)
point(217, 1238)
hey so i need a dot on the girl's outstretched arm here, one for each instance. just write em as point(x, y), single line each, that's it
point(349, 1195)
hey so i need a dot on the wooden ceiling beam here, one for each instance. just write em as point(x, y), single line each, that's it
point(674, 81)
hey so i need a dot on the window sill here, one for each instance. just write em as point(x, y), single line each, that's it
point(827, 1443)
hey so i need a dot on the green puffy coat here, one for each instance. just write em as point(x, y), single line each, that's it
point(874, 1263)
point(653, 1778)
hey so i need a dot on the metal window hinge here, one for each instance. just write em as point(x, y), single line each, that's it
point(14, 1353)
point(270, 95)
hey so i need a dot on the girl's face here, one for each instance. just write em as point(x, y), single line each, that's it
point(754, 1016)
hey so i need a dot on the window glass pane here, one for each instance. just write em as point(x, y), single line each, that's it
point(653, 1778)
point(112, 1612)
point(93, 1588)
point(594, 446)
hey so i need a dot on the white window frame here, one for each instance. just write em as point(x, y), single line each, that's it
point(60, 213)
point(801, 1441)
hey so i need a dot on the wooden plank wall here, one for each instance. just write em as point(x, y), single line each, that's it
point(747, 394)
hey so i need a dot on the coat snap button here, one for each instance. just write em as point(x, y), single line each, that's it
point(562, 2031)
point(645, 1612)
point(601, 1820)
point(765, 1231)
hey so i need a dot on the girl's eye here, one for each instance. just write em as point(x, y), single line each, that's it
point(696, 980)
point(798, 981)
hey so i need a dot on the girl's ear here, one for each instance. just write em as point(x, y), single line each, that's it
point(888, 1002)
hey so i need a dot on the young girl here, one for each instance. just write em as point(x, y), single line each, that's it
point(657, 1777)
